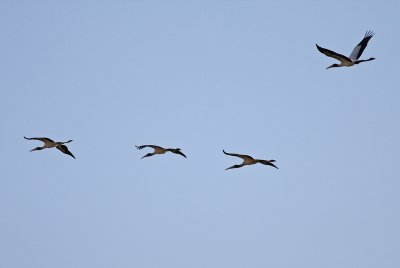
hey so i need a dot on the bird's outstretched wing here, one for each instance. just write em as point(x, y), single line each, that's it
point(359, 49)
point(155, 147)
point(243, 156)
point(40, 139)
point(64, 149)
point(333, 54)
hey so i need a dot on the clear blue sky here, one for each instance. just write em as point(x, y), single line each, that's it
point(243, 76)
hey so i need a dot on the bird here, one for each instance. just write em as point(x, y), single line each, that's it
point(159, 150)
point(248, 160)
point(49, 143)
point(354, 56)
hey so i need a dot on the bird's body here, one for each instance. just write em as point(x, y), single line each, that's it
point(160, 150)
point(353, 59)
point(49, 143)
point(248, 160)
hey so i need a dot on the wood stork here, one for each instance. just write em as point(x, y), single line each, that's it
point(248, 160)
point(160, 150)
point(49, 143)
point(354, 56)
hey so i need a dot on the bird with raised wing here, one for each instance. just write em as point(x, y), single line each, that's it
point(160, 150)
point(248, 160)
point(49, 143)
point(354, 56)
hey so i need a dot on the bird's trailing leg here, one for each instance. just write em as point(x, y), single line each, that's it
point(36, 149)
point(359, 61)
point(268, 163)
point(234, 166)
point(147, 155)
point(333, 65)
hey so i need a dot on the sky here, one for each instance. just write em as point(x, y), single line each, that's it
point(243, 76)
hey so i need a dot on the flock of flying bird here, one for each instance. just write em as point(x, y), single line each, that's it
point(352, 60)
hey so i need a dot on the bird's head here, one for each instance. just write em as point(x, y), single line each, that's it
point(333, 65)
point(178, 151)
point(69, 141)
point(36, 149)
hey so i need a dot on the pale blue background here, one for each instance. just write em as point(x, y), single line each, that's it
point(243, 76)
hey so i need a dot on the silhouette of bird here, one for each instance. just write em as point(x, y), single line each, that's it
point(159, 150)
point(49, 143)
point(248, 160)
point(354, 56)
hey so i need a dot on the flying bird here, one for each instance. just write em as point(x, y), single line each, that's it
point(159, 150)
point(354, 56)
point(49, 143)
point(248, 160)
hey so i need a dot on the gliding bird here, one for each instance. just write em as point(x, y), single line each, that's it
point(354, 56)
point(160, 150)
point(248, 160)
point(48, 143)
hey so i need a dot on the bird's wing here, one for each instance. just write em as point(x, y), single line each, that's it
point(243, 156)
point(359, 49)
point(333, 54)
point(40, 139)
point(155, 147)
point(64, 149)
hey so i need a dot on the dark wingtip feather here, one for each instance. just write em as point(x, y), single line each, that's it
point(320, 49)
point(369, 33)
